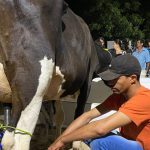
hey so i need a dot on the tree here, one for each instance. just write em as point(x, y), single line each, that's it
point(114, 19)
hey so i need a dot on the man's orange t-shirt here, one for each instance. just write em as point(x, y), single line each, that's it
point(137, 109)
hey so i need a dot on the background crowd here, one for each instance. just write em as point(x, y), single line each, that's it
point(139, 49)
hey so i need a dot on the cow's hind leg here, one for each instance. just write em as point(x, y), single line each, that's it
point(82, 98)
point(59, 117)
point(81, 101)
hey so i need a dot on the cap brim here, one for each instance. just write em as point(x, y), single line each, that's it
point(108, 75)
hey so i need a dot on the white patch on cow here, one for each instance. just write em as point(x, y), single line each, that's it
point(29, 7)
point(58, 72)
point(55, 86)
point(30, 115)
point(1, 66)
point(8, 141)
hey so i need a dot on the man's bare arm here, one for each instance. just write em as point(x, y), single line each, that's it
point(97, 128)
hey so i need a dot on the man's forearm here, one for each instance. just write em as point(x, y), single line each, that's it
point(86, 132)
point(77, 123)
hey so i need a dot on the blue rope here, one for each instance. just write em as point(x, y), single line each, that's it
point(1, 136)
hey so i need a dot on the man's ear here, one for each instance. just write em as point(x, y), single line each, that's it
point(133, 78)
point(142, 44)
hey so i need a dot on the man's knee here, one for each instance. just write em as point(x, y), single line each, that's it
point(97, 144)
point(114, 142)
point(93, 145)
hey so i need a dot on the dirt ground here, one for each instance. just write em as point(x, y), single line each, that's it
point(44, 133)
point(43, 137)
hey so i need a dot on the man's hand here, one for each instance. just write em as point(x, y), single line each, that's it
point(58, 145)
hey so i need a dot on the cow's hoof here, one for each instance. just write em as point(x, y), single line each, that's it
point(22, 142)
point(8, 140)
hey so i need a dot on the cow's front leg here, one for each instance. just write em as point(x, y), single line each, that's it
point(8, 138)
point(27, 122)
point(29, 116)
point(59, 117)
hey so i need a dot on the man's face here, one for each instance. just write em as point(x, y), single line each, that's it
point(139, 44)
point(119, 85)
point(102, 42)
point(114, 45)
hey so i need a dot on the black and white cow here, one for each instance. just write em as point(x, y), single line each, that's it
point(47, 53)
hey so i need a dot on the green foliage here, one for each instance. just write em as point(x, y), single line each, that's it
point(146, 27)
point(115, 18)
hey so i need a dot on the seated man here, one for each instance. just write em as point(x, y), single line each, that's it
point(132, 104)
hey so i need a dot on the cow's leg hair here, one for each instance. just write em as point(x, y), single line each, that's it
point(27, 121)
point(30, 115)
point(82, 98)
point(59, 116)
point(81, 101)
point(46, 115)
point(49, 112)
point(8, 138)
point(47, 119)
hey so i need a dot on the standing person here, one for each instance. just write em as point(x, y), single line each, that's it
point(148, 45)
point(127, 46)
point(143, 56)
point(117, 49)
point(100, 42)
point(104, 56)
point(129, 99)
